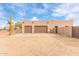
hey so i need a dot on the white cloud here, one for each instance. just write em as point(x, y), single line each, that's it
point(1, 8)
point(2, 23)
point(35, 19)
point(1, 14)
point(21, 13)
point(68, 11)
point(45, 5)
point(70, 16)
point(40, 10)
point(60, 12)
point(3, 19)
point(18, 7)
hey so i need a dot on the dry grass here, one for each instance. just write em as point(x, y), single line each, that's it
point(38, 44)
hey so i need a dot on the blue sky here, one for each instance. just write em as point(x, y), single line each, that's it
point(38, 11)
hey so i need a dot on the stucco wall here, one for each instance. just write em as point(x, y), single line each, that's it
point(65, 30)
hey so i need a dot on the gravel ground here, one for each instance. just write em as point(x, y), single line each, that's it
point(38, 45)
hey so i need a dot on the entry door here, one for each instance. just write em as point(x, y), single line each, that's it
point(56, 29)
point(28, 29)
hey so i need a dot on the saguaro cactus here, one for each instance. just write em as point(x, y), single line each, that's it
point(10, 24)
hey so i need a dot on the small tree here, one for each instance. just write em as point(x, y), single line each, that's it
point(10, 24)
point(18, 24)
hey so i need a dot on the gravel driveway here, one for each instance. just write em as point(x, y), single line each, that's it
point(38, 44)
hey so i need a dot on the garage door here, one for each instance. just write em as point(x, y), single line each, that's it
point(28, 29)
point(40, 29)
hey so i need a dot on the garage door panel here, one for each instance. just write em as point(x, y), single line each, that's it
point(28, 29)
point(40, 29)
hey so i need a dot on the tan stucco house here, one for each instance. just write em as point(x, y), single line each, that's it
point(51, 26)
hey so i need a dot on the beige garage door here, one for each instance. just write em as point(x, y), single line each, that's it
point(28, 29)
point(40, 29)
